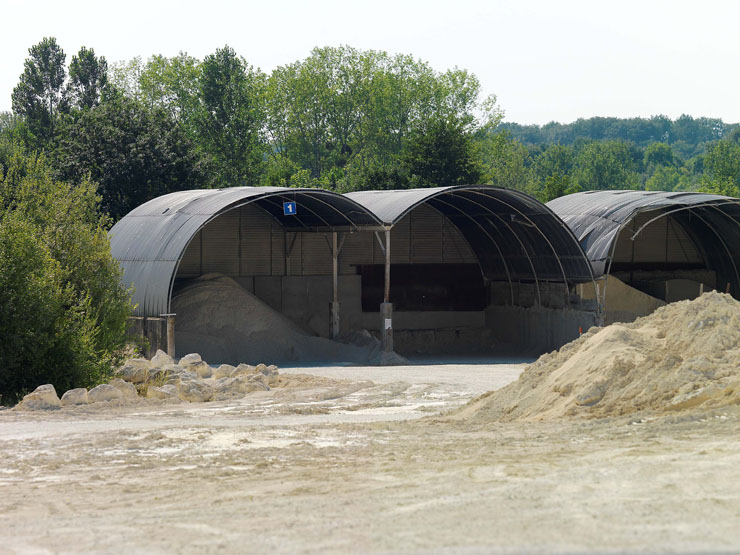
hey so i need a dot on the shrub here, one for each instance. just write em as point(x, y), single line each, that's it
point(62, 308)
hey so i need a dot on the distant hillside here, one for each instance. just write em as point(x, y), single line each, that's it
point(687, 135)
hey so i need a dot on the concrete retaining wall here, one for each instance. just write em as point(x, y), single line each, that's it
point(498, 329)
point(536, 330)
point(623, 303)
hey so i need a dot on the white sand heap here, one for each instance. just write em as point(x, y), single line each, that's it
point(684, 355)
point(224, 322)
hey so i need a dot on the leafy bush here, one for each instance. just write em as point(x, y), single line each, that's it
point(62, 309)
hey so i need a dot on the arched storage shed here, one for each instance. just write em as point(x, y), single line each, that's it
point(150, 242)
point(245, 233)
point(653, 247)
point(476, 259)
point(472, 269)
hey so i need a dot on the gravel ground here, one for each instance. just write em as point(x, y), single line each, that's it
point(363, 460)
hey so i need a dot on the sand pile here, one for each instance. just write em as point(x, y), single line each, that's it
point(224, 322)
point(684, 355)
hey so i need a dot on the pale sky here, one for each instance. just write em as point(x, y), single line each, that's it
point(544, 60)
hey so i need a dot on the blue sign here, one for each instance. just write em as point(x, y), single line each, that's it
point(289, 209)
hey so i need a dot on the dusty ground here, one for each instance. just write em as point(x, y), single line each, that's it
point(340, 466)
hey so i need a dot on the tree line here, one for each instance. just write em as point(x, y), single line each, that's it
point(342, 118)
point(687, 136)
point(552, 170)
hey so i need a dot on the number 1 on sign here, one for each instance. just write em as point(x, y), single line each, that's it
point(289, 209)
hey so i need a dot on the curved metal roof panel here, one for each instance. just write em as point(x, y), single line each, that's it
point(149, 241)
point(596, 217)
point(514, 236)
point(391, 206)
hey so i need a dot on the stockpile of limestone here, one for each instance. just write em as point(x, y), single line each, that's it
point(190, 380)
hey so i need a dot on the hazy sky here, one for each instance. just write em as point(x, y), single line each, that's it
point(545, 60)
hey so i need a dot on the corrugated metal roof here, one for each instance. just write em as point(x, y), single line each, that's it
point(514, 236)
point(596, 218)
point(150, 240)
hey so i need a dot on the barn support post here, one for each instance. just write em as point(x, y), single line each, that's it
point(171, 336)
point(334, 308)
point(170, 333)
point(386, 308)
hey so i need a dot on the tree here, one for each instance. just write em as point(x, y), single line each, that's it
point(63, 310)
point(40, 93)
point(441, 154)
point(659, 154)
point(13, 129)
point(171, 84)
point(347, 115)
point(606, 165)
point(125, 77)
point(133, 153)
point(556, 159)
point(553, 170)
point(557, 185)
point(88, 76)
point(231, 118)
point(321, 111)
point(665, 178)
point(298, 125)
point(505, 162)
point(686, 135)
point(722, 169)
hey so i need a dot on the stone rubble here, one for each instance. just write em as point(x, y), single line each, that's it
point(190, 379)
point(44, 397)
point(76, 396)
point(104, 392)
point(161, 359)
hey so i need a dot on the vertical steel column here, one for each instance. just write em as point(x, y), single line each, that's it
point(334, 308)
point(386, 308)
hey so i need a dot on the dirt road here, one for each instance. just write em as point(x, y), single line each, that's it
point(340, 464)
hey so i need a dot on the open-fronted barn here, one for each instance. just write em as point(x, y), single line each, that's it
point(649, 247)
point(465, 269)
point(481, 259)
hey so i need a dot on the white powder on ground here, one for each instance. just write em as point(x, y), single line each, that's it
point(684, 355)
point(225, 323)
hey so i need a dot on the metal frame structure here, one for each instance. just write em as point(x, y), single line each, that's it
point(514, 236)
point(150, 241)
point(598, 217)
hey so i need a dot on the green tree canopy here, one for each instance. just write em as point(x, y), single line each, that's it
point(606, 165)
point(88, 76)
point(506, 162)
point(664, 178)
point(346, 115)
point(133, 153)
point(231, 118)
point(171, 84)
point(554, 160)
point(659, 154)
point(441, 154)
point(722, 169)
point(40, 93)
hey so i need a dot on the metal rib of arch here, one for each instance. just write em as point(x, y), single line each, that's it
point(150, 241)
